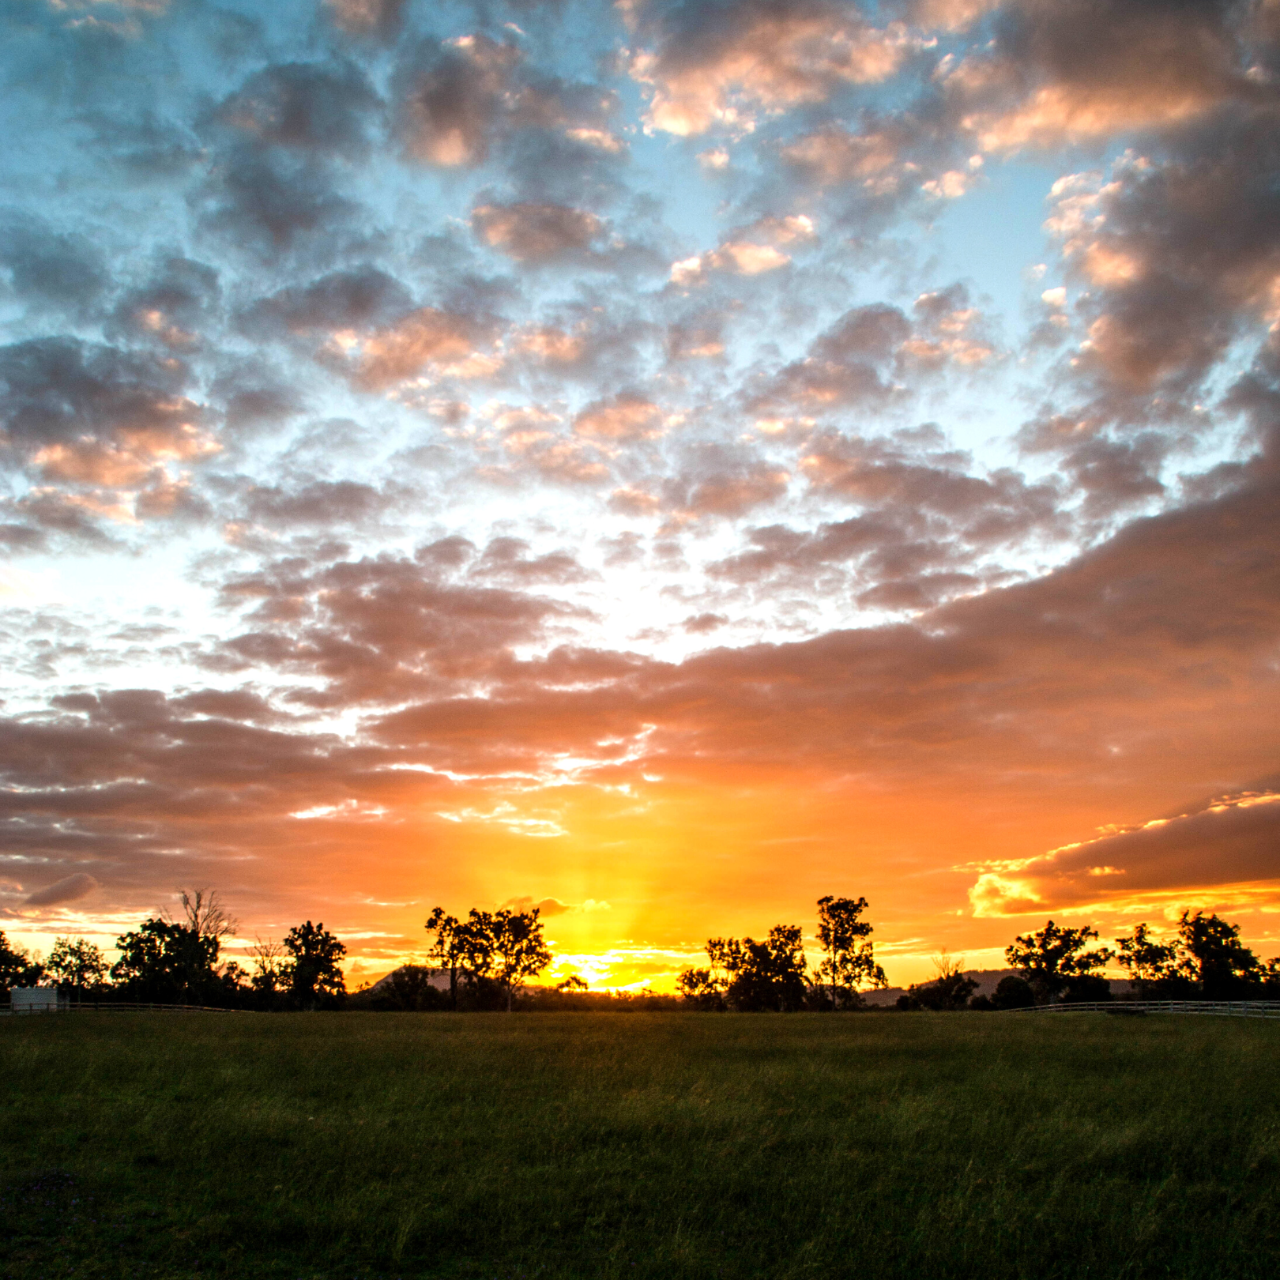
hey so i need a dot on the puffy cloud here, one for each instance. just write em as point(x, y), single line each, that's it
point(538, 233)
point(173, 308)
point(748, 251)
point(626, 418)
point(874, 354)
point(367, 17)
point(426, 338)
point(1061, 73)
point(304, 106)
point(546, 907)
point(49, 268)
point(508, 559)
point(272, 202)
point(452, 100)
point(94, 414)
point(356, 298)
point(288, 327)
point(726, 64)
point(460, 98)
point(319, 502)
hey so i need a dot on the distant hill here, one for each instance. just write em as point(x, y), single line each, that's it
point(987, 980)
point(438, 978)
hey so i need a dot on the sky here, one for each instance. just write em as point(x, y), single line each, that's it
point(661, 462)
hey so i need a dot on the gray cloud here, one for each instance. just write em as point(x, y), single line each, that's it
point(69, 889)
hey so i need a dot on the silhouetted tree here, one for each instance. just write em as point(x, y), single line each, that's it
point(1223, 967)
point(1155, 968)
point(757, 976)
point(17, 968)
point(849, 962)
point(268, 979)
point(166, 962)
point(1051, 958)
point(451, 947)
point(505, 947)
point(78, 965)
point(312, 971)
point(203, 913)
point(1205, 958)
point(704, 988)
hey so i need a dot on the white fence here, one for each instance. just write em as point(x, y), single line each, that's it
point(1218, 1008)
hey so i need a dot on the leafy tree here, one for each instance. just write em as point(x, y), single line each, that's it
point(312, 971)
point(167, 962)
point(752, 976)
point(410, 989)
point(79, 965)
point(505, 947)
point(1222, 965)
point(451, 948)
point(17, 968)
point(1154, 967)
point(1054, 956)
point(572, 984)
point(1205, 958)
point(703, 988)
point(849, 962)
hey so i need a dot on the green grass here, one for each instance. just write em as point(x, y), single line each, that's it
point(655, 1145)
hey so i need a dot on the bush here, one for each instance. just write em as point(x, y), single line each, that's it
point(1086, 988)
point(1014, 993)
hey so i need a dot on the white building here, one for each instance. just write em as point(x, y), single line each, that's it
point(36, 1000)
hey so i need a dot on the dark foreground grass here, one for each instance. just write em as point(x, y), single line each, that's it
point(654, 1145)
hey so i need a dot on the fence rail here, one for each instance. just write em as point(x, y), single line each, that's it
point(1213, 1008)
point(115, 1006)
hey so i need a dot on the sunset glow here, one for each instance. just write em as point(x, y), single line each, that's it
point(658, 462)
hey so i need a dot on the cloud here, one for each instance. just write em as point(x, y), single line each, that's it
point(876, 354)
point(310, 107)
point(460, 99)
point(85, 413)
point(69, 889)
point(58, 270)
point(626, 418)
point(173, 308)
point(1231, 841)
point(730, 64)
point(452, 99)
point(748, 251)
point(367, 17)
point(271, 202)
point(538, 233)
point(1069, 73)
point(546, 907)
point(423, 339)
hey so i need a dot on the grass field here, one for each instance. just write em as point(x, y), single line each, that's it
point(653, 1145)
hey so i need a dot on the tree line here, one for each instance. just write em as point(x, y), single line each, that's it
point(179, 961)
point(491, 957)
